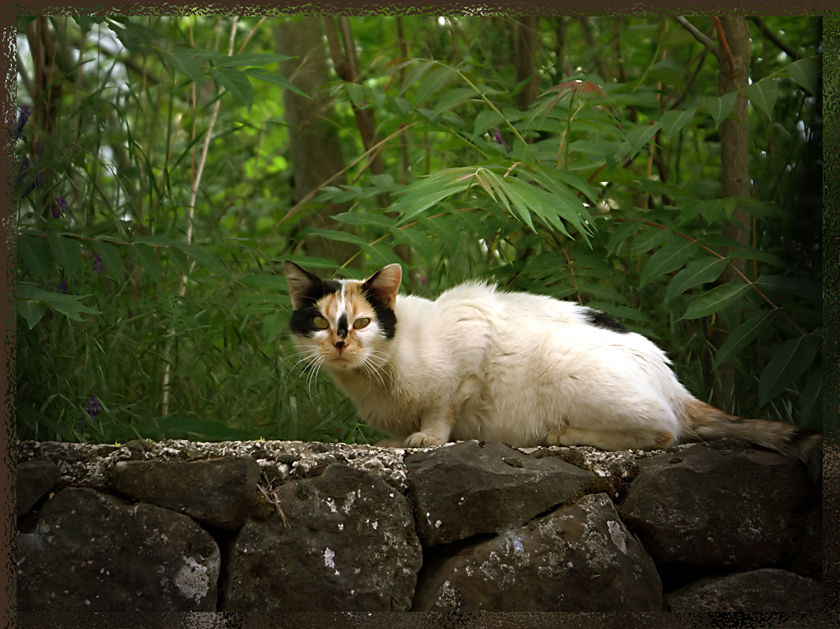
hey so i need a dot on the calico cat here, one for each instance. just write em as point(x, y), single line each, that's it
point(518, 368)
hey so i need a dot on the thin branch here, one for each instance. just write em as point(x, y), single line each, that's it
point(708, 43)
point(777, 41)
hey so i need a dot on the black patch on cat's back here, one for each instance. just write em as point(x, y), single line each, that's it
point(601, 320)
point(302, 322)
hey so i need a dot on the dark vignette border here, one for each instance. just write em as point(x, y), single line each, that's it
point(831, 291)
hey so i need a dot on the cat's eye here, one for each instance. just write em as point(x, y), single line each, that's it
point(360, 323)
point(320, 323)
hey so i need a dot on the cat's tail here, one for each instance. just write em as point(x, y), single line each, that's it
point(702, 422)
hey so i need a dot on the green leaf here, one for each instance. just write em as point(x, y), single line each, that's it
point(31, 311)
point(67, 251)
point(147, 258)
point(333, 234)
point(809, 401)
point(743, 336)
point(35, 254)
point(273, 324)
point(806, 72)
point(675, 120)
point(695, 274)
point(235, 82)
point(185, 64)
point(267, 76)
point(250, 59)
point(720, 106)
point(763, 94)
point(799, 286)
point(207, 259)
point(266, 280)
point(417, 239)
point(486, 120)
point(649, 238)
point(715, 300)
point(670, 257)
point(453, 98)
point(68, 305)
point(790, 362)
point(432, 82)
point(110, 256)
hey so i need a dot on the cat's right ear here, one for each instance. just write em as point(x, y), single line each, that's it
point(384, 284)
point(300, 282)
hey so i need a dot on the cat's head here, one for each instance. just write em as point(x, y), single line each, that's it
point(342, 324)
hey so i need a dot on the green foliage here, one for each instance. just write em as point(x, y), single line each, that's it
point(604, 190)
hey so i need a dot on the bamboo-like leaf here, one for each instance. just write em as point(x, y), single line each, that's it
point(67, 251)
point(273, 324)
point(696, 273)
point(110, 257)
point(35, 254)
point(147, 258)
point(236, 82)
point(185, 64)
point(744, 335)
point(207, 259)
point(453, 98)
point(790, 362)
point(670, 257)
point(432, 82)
point(809, 400)
point(715, 300)
point(417, 239)
point(486, 120)
point(266, 280)
point(268, 76)
point(68, 305)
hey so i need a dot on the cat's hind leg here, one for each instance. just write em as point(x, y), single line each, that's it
point(630, 439)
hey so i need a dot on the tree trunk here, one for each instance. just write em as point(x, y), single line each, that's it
point(733, 74)
point(314, 148)
point(525, 50)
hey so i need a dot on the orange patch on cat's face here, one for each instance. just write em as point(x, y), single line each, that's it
point(354, 306)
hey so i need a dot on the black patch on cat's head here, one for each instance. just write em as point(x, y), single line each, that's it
point(384, 315)
point(303, 317)
point(601, 320)
point(343, 326)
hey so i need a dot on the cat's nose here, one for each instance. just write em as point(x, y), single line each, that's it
point(339, 345)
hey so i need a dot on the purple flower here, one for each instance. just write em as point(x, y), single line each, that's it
point(62, 286)
point(59, 208)
point(25, 112)
point(93, 407)
point(499, 137)
point(97, 263)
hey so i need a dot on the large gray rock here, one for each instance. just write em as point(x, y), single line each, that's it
point(342, 541)
point(468, 489)
point(715, 506)
point(764, 590)
point(34, 479)
point(91, 552)
point(219, 492)
point(581, 557)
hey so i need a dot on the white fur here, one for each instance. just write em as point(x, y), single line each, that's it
point(518, 368)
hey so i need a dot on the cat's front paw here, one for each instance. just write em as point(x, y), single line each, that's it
point(559, 437)
point(421, 440)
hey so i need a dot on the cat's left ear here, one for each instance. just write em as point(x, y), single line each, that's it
point(384, 284)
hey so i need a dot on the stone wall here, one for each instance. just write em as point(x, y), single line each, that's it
point(289, 526)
